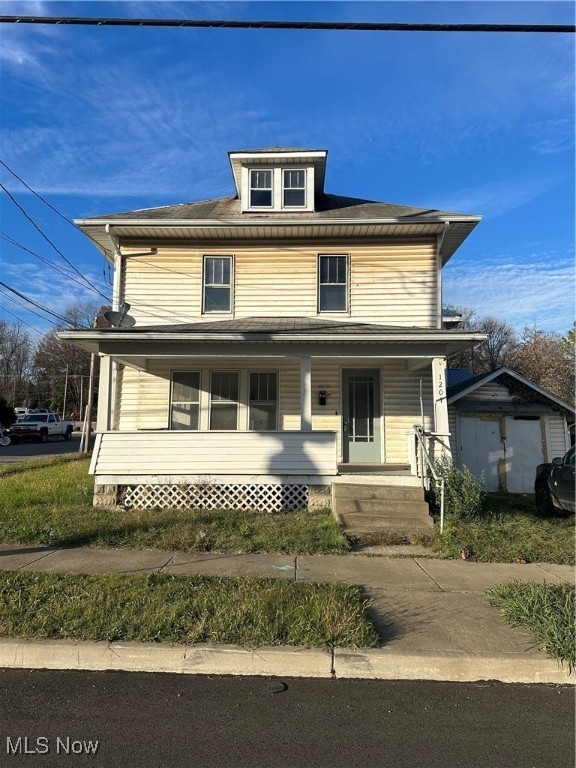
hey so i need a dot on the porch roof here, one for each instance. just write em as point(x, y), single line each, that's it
point(265, 335)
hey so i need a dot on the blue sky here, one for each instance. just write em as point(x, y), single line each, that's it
point(99, 120)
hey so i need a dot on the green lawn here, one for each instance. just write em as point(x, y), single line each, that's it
point(183, 609)
point(50, 502)
point(508, 531)
point(546, 610)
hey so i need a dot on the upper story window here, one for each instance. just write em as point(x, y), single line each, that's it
point(260, 189)
point(277, 189)
point(294, 189)
point(332, 283)
point(217, 284)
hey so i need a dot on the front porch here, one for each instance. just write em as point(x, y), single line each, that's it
point(266, 414)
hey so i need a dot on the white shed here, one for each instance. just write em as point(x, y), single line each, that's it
point(503, 425)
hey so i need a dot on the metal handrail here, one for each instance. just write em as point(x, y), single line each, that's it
point(420, 438)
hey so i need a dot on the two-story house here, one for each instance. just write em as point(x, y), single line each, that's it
point(284, 338)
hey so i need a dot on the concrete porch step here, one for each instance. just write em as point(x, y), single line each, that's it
point(371, 508)
point(382, 507)
point(363, 522)
point(378, 492)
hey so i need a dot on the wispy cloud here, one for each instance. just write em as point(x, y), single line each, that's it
point(536, 289)
point(500, 197)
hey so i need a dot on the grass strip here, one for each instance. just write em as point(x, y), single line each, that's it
point(546, 610)
point(51, 504)
point(165, 608)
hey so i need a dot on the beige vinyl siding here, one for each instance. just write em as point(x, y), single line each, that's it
point(401, 397)
point(453, 429)
point(393, 283)
point(168, 457)
point(491, 391)
point(146, 396)
point(557, 434)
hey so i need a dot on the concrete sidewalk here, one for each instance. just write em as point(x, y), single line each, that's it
point(432, 615)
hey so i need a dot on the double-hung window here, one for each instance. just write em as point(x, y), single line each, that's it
point(217, 284)
point(263, 403)
point(332, 283)
point(185, 409)
point(224, 400)
point(294, 189)
point(260, 189)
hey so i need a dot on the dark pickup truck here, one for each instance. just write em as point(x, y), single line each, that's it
point(554, 485)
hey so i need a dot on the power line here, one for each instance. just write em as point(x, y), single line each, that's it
point(44, 235)
point(19, 318)
point(61, 269)
point(50, 263)
point(61, 318)
point(346, 26)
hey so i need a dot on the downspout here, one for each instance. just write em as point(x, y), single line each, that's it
point(113, 373)
point(440, 243)
point(117, 279)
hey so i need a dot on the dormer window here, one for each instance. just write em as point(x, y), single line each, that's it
point(260, 189)
point(279, 180)
point(293, 189)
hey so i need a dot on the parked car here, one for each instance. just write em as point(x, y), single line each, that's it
point(20, 412)
point(554, 485)
point(41, 426)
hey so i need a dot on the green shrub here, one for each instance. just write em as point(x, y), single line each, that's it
point(464, 495)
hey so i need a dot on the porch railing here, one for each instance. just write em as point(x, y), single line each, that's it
point(425, 467)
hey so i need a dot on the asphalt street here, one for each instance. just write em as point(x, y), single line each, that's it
point(122, 720)
point(35, 450)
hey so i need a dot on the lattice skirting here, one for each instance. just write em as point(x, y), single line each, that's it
point(259, 498)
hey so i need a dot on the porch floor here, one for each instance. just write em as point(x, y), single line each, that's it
point(374, 469)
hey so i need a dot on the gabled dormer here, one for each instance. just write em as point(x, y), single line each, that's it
point(279, 179)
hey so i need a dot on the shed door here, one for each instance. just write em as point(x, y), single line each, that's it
point(481, 448)
point(485, 440)
point(523, 452)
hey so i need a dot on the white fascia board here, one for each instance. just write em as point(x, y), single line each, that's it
point(317, 153)
point(505, 370)
point(273, 222)
point(236, 338)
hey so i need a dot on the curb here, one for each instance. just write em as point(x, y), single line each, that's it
point(281, 661)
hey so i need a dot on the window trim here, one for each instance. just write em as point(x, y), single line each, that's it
point(304, 205)
point(230, 285)
point(251, 188)
point(346, 310)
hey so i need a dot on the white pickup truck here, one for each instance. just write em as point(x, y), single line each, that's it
point(41, 426)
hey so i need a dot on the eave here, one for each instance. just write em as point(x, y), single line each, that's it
point(144, 232)
point(137, 348)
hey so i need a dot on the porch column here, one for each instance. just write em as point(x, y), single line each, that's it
point(105, 392)
point(441, 423)
point(305, 394)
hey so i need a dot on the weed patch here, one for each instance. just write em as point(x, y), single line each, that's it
point(547, 610)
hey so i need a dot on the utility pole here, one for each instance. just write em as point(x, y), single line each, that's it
point(65, 393)
point(87, 426)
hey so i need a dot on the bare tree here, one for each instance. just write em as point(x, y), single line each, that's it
point(496, 351)
point(61, 369)
point(16, 350)
point(548, 360)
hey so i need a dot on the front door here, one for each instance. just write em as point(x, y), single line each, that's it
point(361, 416)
